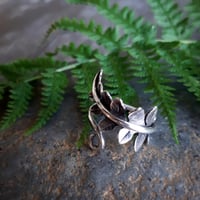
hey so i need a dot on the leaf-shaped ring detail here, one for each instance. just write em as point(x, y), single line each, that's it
point(114, 112)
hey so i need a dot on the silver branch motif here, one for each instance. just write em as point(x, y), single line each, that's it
point(107, 113)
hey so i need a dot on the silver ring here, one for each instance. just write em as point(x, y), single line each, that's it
point(106, 113)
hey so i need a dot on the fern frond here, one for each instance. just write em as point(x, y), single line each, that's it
point(23, 69)
point(116, 68)
point(81, 53)
point(109, 38)
point(52, 95)
point(150, 72)
point(181, 67)
point(123, 18)
point(84, 75)
point(117, 73)
point(193, 55)
point(170, 19)
point(193, 8)
point(144, 57)
point(19, 98)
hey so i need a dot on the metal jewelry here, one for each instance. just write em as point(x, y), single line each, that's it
point(107, 113)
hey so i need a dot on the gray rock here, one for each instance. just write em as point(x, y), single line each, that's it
point(47, 165)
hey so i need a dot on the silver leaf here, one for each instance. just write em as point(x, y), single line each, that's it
point(125, 135)
point(106, 99)
point(117, 108)
point(137, 117)
point(151, 116)
point(139, 141)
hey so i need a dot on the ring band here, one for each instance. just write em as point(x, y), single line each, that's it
point(113, 111)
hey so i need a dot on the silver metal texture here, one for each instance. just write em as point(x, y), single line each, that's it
point(113, 112)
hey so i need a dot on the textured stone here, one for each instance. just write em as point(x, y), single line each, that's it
point(47, 165)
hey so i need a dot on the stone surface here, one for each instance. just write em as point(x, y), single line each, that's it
point(47, 165)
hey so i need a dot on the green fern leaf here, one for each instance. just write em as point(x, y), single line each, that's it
point(117, 73)
point(151, 60)
point(19, 97)
point(181, 67)
point(84, 76)
point(150, 72)
point(52, 95)
point(170, 18)
point(25, 69)
point(110, 38)
point(82, 53)
point(84, 134)
point(193, 8)
point(123, 18)
point(193, 55)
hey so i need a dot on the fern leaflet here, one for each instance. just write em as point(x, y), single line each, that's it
point(194, 12)
point(110, 38)
point(19, 96)
point(25, 69)
point(170, 18)
point(82, 53)
point(117, 73)
point(181, 68)
point(123, 18)
point(52, 95)
point(193, 55)
point(84, 75)
point(150, 72)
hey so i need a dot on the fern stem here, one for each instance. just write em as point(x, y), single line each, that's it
point(74, 65)
point(33, 78)
point(65, 68)
point(179, 41)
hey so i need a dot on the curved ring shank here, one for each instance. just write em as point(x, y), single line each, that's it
point(120, 122)
point(96, 127)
